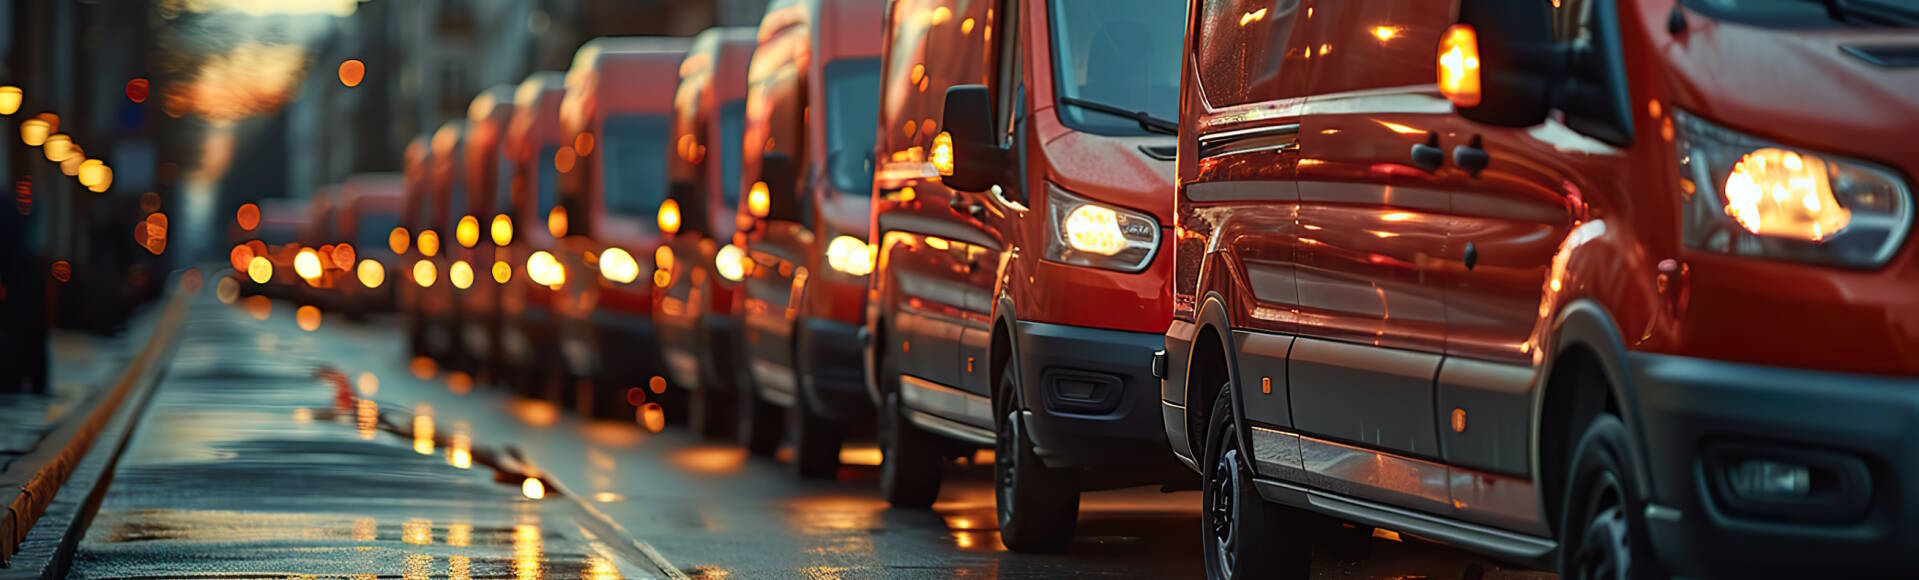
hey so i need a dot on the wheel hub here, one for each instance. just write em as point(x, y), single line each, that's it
point(1225, 527)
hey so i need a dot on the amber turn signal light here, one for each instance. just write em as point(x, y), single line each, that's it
point(1459, 65)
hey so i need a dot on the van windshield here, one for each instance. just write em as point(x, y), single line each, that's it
point(635, 163)
point(852, 105)
point(374, 228)
point(1122, 54)
point(1812, 14)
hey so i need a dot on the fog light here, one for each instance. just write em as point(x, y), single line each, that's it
point(1761, 479)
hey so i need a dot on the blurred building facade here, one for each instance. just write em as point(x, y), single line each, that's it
point(427, 59)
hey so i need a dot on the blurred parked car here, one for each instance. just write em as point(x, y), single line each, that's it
point(533, 139)
point(484, 227)
point(813, 88)
point(279, 241)
point(417, 243)
point(360, 228)
point(699, 268)
point(612, 181)
point(444, 204)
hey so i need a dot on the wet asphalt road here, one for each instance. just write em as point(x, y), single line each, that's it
point(255, 460)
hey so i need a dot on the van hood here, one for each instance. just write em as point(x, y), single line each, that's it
point(1116, 170)
point(1817, 89)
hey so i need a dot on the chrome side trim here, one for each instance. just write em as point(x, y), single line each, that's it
point(1482, 539)
point(947, 402)
point(1251, 140)
point(1218, 191)
point(1276, 454)
point(1375, 475)
point(951, 429)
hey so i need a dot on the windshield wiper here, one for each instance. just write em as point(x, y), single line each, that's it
point(1146, 120)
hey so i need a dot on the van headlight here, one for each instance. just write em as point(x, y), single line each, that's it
point(619, 266)
point(1747, 196)
point(1086, 233)
point(849, 255)
point(730, 262)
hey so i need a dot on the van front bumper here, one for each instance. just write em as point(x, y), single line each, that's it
point(1709, 427)
point(1092, 402)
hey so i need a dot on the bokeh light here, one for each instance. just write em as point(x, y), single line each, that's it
point(424, 273)
point(248, 217)
point(653, 417)
point(307, 264)
point(308, 317)
point(259, 269)
point(556, 222)
point(460, 274)
point(398, 240)
point(259, 307)
point(227, 290)
point(502, 230)
point(137, 90)
point(429, 243)
point(352, 71)
point(371, 273)
point(468, 232)
point(10, 98)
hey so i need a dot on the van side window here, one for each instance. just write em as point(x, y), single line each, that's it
point(1242, 45)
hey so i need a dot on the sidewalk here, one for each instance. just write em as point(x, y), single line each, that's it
point(47, 439)
point(251, 462)
point(84, 365)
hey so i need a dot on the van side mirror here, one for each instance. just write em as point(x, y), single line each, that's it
point(1519, 61)
point(1524, 72)
point(688, 210)
point(781, 175)
point(967, 153)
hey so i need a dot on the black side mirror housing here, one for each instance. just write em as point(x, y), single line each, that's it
point(1525, 72)
point(978, 160)
point(1519, 61)
point(781, 174)
point(579, 221)
point(692, 205)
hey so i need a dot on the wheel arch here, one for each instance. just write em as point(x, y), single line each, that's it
point(1210, 363)
point(1002, 352)
point(1586, 375)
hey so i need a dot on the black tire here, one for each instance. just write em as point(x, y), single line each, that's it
point(910, 459)
point(1602, 534)
point(1244, 536)
point(1038, 506)
point(758, 422)
point(816, 442)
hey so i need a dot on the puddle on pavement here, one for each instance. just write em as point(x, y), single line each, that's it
point(243, 467)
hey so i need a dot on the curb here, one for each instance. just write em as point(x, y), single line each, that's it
point(35, 478)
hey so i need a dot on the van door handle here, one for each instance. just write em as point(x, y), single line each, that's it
point(1428, 156)
point(1471, 158)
